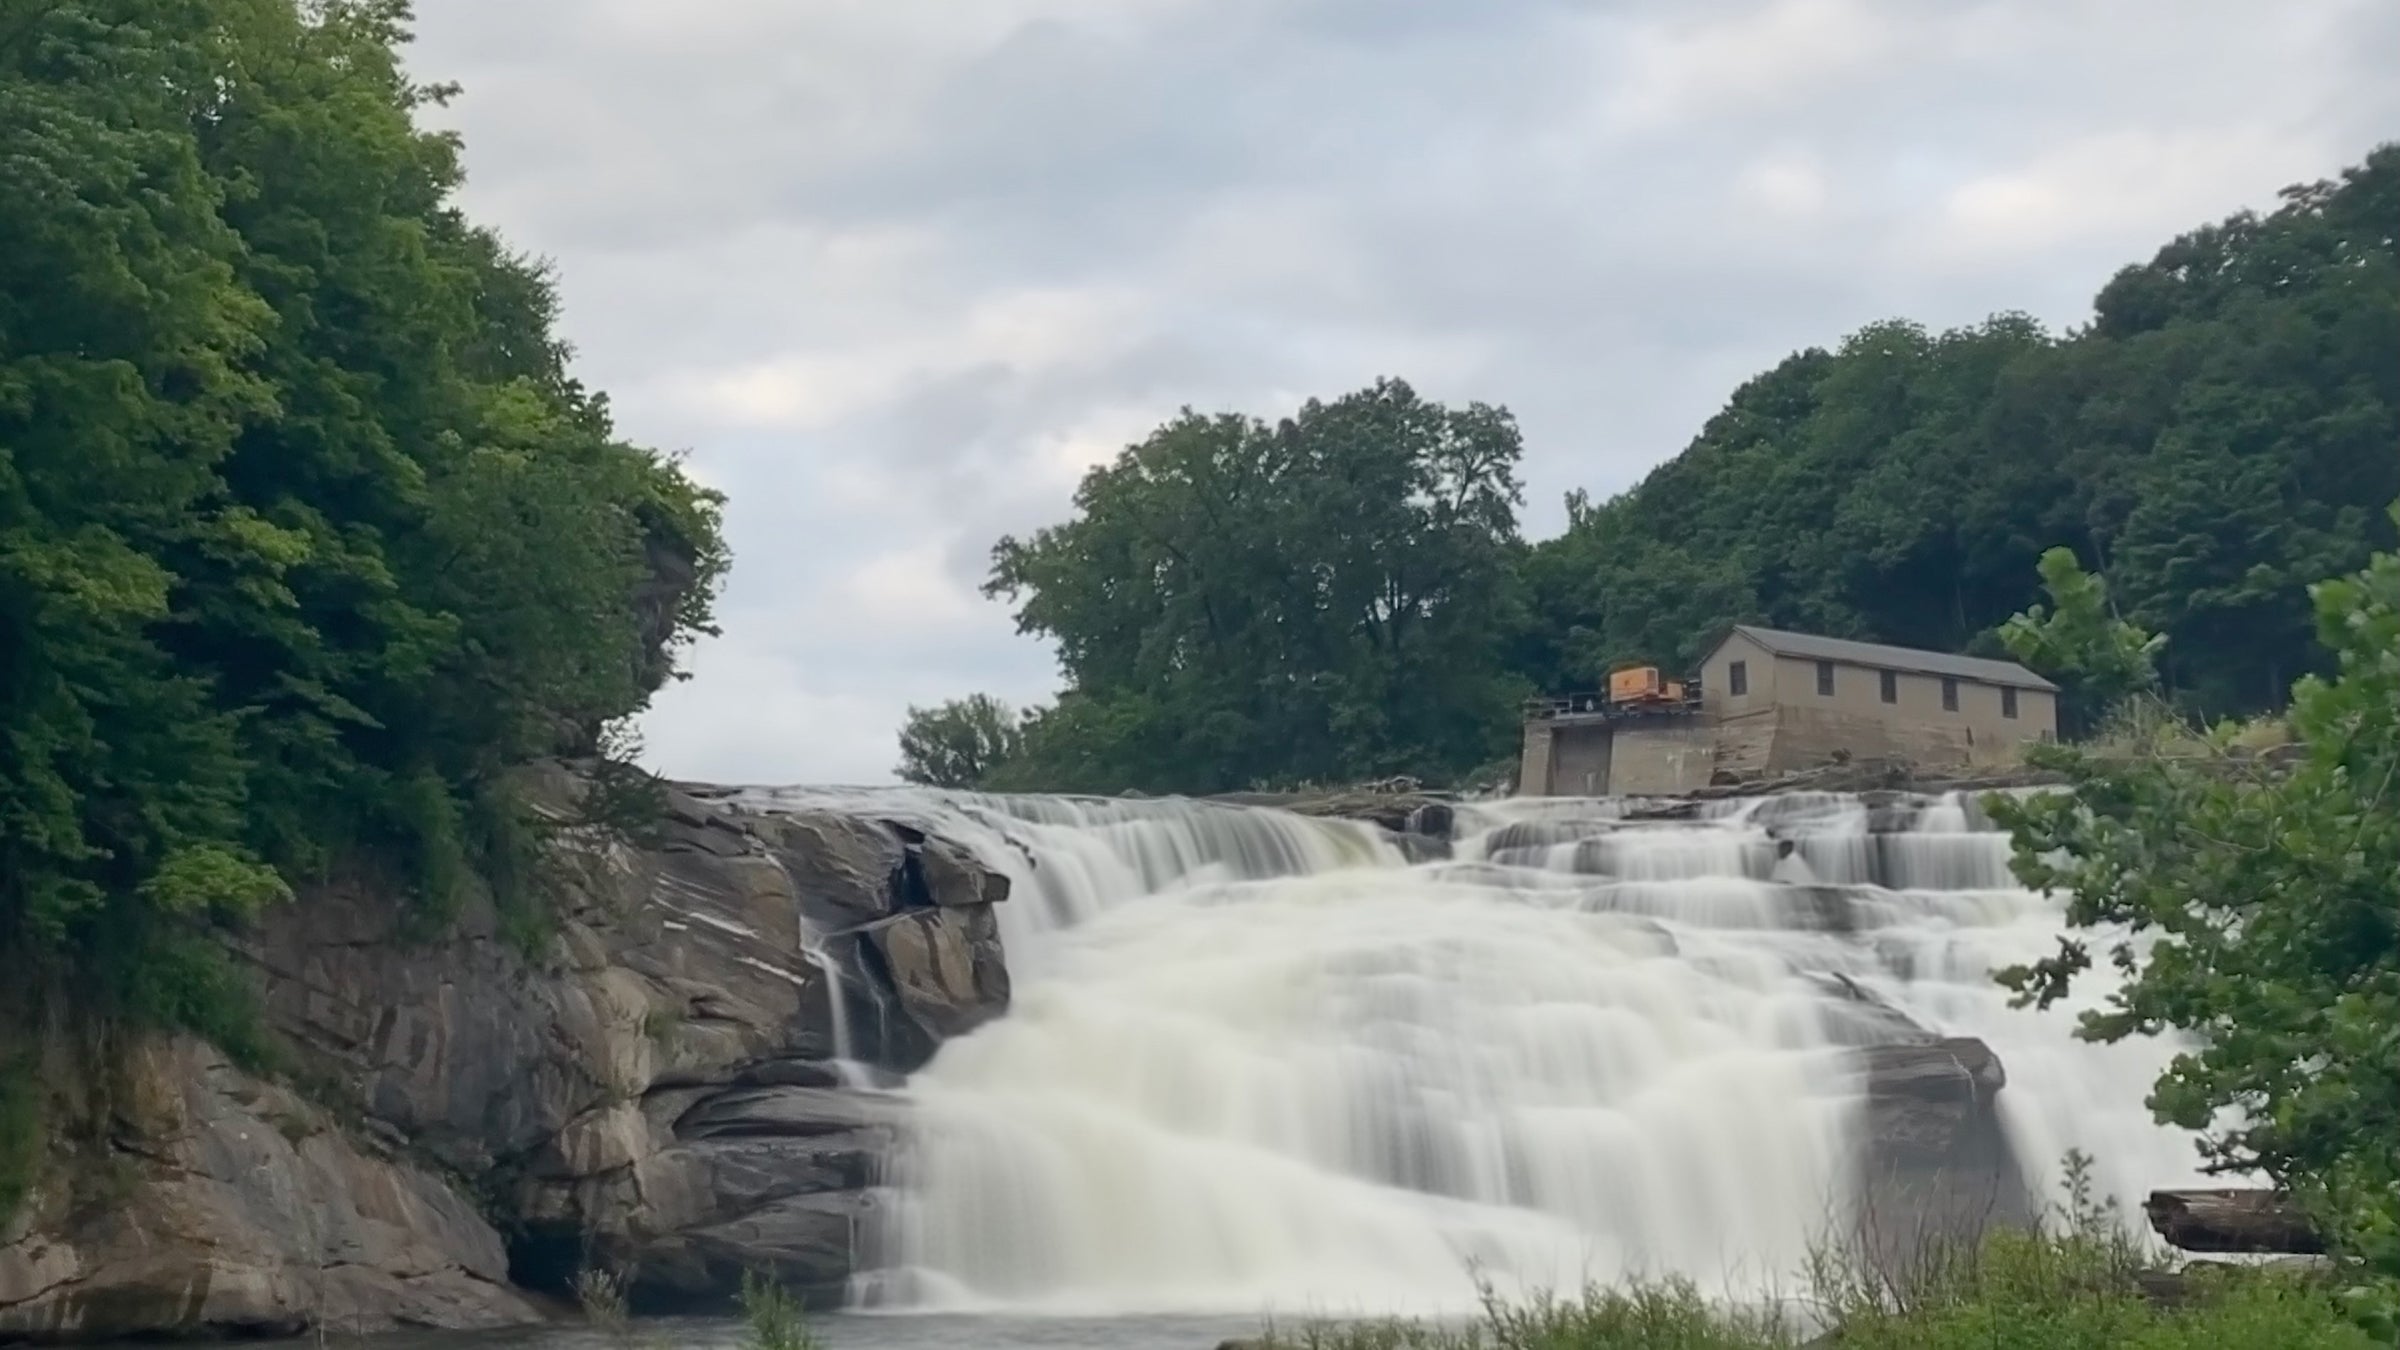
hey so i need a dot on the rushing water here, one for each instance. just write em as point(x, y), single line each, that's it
point(1260, 1063)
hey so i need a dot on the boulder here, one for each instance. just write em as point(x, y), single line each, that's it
point(954, 877)
point(946, 968)
point(1937, 1168)
point(845, 869)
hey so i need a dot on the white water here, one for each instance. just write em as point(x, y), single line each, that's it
point(1255, 1062)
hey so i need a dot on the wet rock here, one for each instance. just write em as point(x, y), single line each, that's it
point(1936, 1167)
point(1519, 837)
point(946, 968)
point(845, 869)
point(806, 1242)
point(784, 1111)
point(954, 877)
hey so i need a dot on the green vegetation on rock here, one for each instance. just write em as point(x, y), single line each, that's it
point(306, 534)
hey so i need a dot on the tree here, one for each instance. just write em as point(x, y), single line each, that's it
point(2218, 437)
point(306, 533)
point(959, 744)
point(2265, 897)
point(2101, 659)
point(1237, 603)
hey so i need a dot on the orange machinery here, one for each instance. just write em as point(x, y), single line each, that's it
point(1643, 684)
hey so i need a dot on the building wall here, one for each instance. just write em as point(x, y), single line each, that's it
point(1580, 757)
point(1811, 726)
point(1662, 759)
point(1716, 680)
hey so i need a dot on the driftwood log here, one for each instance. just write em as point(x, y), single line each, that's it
point(2234, 1220)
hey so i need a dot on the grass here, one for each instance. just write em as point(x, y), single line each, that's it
point(775, 1318)
point(2075, 1284)
point(601, 1295)
point(2024, 1292)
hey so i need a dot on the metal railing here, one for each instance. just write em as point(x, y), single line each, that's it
point(1596, 704)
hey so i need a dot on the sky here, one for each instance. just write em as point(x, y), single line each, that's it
point(895, 273)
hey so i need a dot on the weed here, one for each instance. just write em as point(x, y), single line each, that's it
point(776, 1319)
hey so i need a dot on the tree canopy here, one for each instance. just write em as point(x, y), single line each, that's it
point(306, 532)
point(2268, 895)
point(2221, 435)
point(1237, 603)
point(1344, 595)
point(963, 743)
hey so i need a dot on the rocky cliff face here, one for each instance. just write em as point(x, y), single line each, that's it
point(657, 1091)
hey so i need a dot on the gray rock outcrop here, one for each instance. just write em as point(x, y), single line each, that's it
point(653, 1085)
point(225, 1204)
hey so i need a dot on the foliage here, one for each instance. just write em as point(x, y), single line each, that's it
point(1241, 604)
point(305, 532)
point(2260, 904)
point(2100, 659)
point(960, 744)
point(2217, 438)
point(1343, 596)
point(775, 1317)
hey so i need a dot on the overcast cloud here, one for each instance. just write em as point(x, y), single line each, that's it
point(896, 272)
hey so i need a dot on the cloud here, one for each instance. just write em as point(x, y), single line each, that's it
point(897, 273)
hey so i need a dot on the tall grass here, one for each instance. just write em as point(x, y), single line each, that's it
point(2075, 1282)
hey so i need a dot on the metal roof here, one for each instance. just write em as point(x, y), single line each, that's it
point(1882, 657)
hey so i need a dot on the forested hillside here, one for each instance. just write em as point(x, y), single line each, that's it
point(306, 533)
point(1344, 595)
point(2225, 431)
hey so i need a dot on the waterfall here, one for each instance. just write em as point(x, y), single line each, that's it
point(1257, 1061)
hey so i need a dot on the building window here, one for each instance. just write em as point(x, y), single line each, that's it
point(1737, 678)
point(1825, 678)
point(1949, 694)
point(1891, 685)
point(2008, 703)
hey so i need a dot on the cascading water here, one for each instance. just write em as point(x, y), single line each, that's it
point(1257, 1061)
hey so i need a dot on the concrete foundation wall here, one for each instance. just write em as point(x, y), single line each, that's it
point(1662, 759)
point(1746, 744)
point(1533, 761)
point(1580, 758)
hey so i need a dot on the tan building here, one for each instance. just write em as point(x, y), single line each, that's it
point(1772, 702)
point(1781, 701)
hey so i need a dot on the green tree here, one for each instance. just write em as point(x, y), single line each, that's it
point(2219, 436)
point(2260, 901)
point(959, 744)
point(2100, 659)
point(306, 534)
point(1237, 603)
